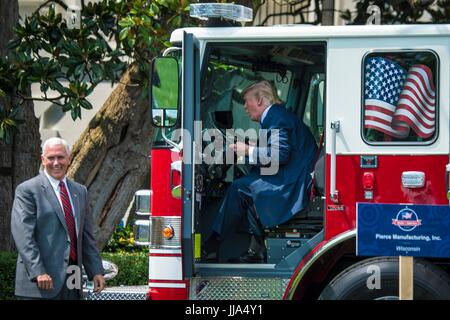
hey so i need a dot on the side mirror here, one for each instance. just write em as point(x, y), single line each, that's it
point(164, 95)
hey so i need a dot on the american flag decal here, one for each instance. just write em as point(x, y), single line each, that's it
point(396, 100)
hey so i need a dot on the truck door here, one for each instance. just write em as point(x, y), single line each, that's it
point(190, 106)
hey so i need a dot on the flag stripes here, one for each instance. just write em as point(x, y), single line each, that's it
point(396, 100)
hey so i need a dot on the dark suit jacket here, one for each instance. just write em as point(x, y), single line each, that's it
point(39, 230)
point(279, 196)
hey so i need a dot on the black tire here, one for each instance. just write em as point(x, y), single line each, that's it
point(430, 281)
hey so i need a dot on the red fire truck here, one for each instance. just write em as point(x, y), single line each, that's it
point(375, 97)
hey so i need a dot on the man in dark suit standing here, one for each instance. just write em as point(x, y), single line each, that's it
point(267, 198)
point(53, 231)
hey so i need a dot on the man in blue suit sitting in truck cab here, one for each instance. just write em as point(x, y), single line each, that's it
point(266, 198)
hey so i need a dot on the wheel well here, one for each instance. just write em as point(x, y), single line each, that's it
point(333, 262)
point(325, 268)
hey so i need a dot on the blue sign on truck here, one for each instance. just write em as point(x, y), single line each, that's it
point(403, 230)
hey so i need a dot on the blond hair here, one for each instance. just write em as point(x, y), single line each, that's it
point(263, 89)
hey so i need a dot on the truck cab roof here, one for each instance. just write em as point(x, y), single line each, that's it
point(286, 32)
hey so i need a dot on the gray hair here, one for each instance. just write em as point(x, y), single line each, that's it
point(54, 142)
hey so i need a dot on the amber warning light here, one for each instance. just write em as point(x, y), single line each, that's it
point(168, 232)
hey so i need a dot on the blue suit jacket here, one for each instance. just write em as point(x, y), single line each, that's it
point(279, 196)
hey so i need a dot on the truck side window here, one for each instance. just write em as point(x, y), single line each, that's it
point(400, 97)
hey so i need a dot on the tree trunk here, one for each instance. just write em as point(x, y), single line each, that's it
point(111, 158)
point(328, 12)
point(19, 161)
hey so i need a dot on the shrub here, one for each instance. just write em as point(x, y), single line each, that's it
point(133, 268)
point(122, 240)
point(7, 275)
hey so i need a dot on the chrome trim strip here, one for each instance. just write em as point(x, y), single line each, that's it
point(165, 251)
point(235, 266)
point(166, 285)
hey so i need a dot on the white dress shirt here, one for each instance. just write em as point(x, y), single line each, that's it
point(55, 186)
point(251, 156)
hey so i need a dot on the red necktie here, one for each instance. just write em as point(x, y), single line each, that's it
point(70, 221)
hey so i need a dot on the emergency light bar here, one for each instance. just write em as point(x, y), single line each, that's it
point(229, 11)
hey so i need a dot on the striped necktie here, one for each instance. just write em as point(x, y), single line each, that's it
point(70, 221)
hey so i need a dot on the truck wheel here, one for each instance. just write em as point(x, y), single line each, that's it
point(377, 279)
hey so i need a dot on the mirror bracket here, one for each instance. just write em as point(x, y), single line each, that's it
point(177, 146)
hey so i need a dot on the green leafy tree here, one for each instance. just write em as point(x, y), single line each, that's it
point(402, 11)
point(19, 145)
point(115, 42)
